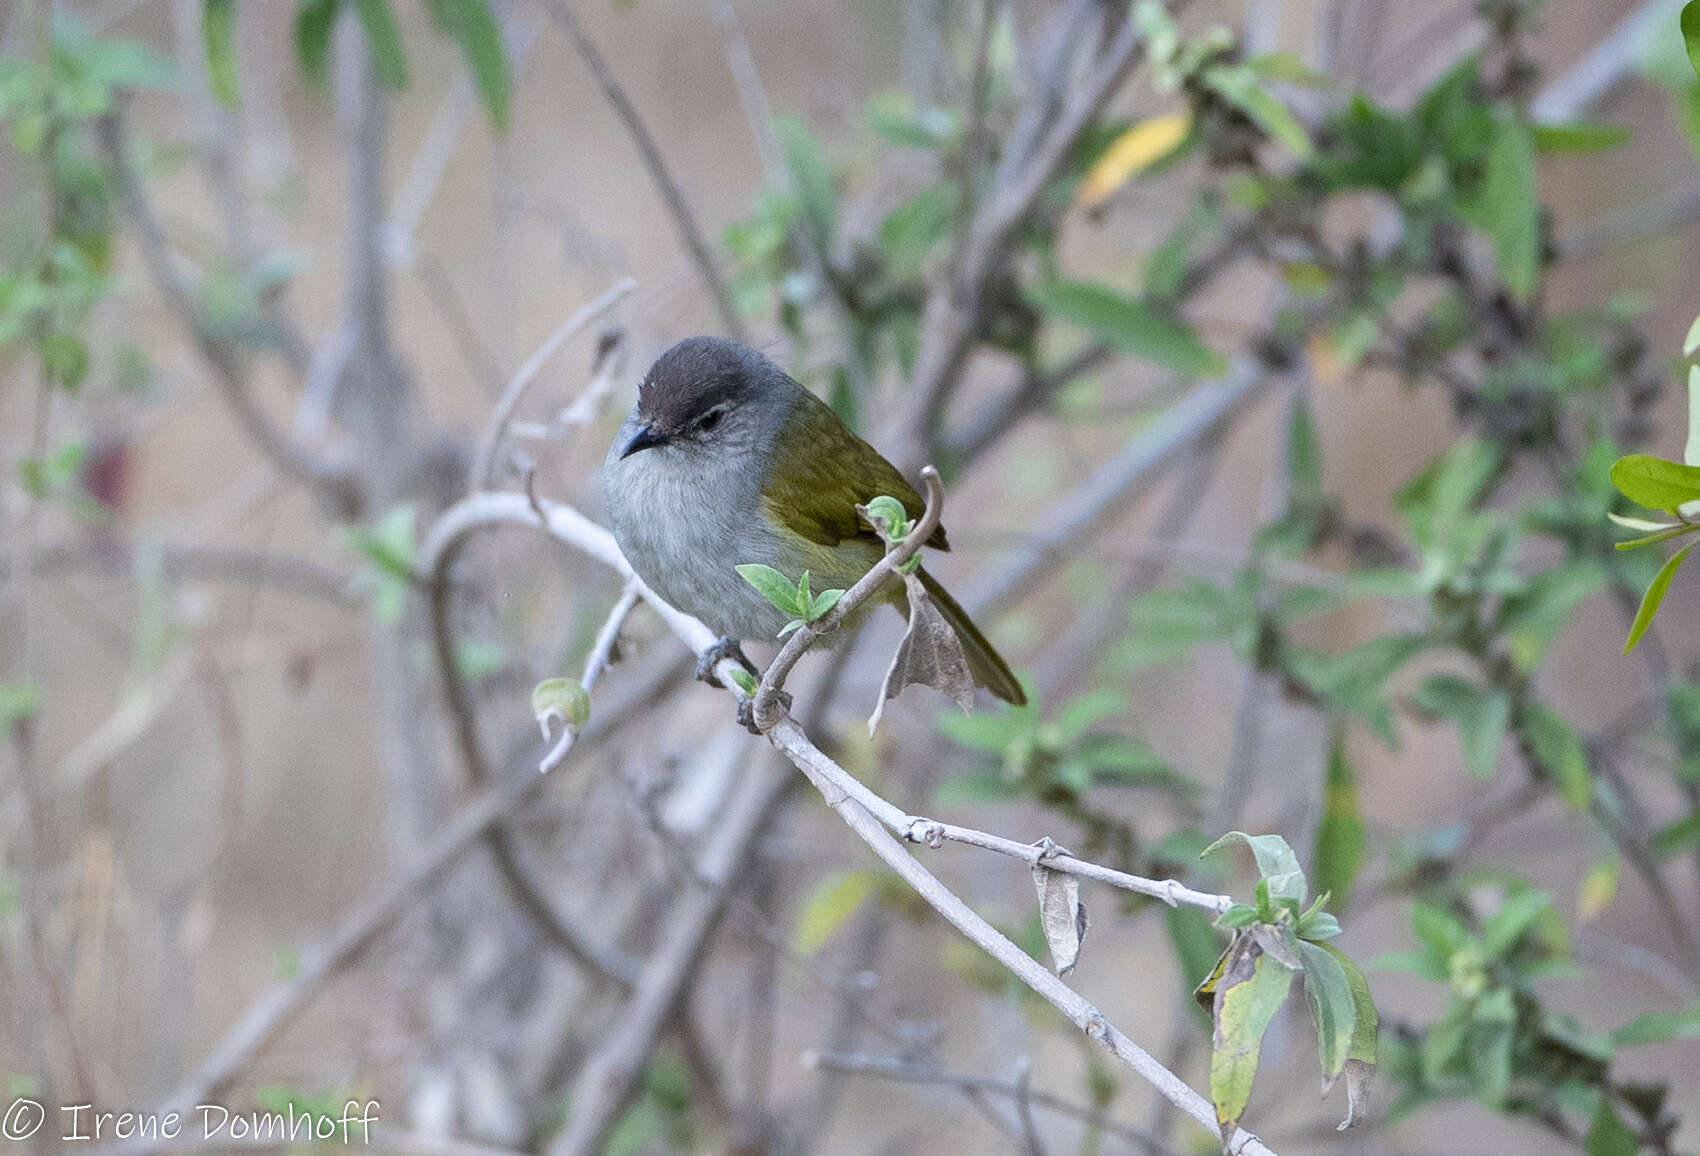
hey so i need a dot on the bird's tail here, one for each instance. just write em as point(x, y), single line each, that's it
point(986, 664)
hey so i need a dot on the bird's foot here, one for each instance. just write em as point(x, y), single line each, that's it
point(747, 711)
point(722, 649)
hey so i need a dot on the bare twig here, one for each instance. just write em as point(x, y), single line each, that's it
point(564, 18)
point(436, 558)
point(1142, 459)
point(908, 1072)
point(334, 479)
point(1038, 148)
point(107, 558)
point(484, 460)
point(607, 1078)
point(1605, 66)
point(268, 1016)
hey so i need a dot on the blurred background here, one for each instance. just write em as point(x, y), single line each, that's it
point(1275, 355)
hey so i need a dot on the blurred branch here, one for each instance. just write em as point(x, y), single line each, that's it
point(607, 964)
point(286, 573)
point(608, 1076)
point(1146, 455)
point(562, 14)
point(1673, 210)
point(1046, 131)
point(431, 162)
point(908, 1072)
point(279, 1006)
point(334, 480)
point(489, 443)
point(1591, 79)
point(752, 94)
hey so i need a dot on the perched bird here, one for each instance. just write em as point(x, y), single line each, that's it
point(726, 460)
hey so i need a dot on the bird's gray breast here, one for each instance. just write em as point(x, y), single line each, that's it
point(686, 517)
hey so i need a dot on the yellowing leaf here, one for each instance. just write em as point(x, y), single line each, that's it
point(1599, 888)
point(832, 903)
point(1137, 149)
point(1248, 991)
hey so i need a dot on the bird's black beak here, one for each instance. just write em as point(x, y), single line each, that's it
point(645, 438)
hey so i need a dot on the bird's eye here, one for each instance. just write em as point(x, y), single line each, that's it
point(709, 420)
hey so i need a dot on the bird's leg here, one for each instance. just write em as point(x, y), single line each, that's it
point(722, 649)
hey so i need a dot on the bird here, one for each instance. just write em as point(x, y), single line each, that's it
point(725, 461)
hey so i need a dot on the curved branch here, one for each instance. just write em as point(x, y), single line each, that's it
point(847, 797)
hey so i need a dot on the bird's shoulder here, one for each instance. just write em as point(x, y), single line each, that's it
point(821, 471)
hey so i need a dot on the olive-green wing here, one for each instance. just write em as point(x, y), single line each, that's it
point(822, 472)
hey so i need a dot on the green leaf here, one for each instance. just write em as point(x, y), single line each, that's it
point(888, 517)
point(1657, 483)
point(1276, 863)
point(811, 179)
point(1128, 325)
point(388, 542)
point(1690, 24)
point(1691, 343)
point(1240, 87)
point(1082, 713)
point(1579, 137)
point(1677, 838)
point(1482, 716)
point(472, 25)
point(1515, 916)
point(1340, 837)
point(314, 22)
point(1659, 1028)
point(829, 907)
point(911, 232)
point(1561, 754)
point(823, 602)
point(1250, 990)
point(1608, 1135)
point(1655, 595)
point(975, 788)
point(560, 700)
point(1361, 1053)
point(1304, 448)
point(218, 31)
point(383, 37)
point(18, 701)
point(1237, 916)
point(745, 681)
point(773, 586)
point(1508, 210)
point(1691, 449)
point(1332, 1010)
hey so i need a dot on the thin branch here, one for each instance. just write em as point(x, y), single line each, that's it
point(436, 558)
point(1035, 153)
point(608, 1077)
point(1142, 459)
point(564, 18)
point(275, 1010)
point(335, 480)
point(484, 460)
point(908, 1072)
point(237, 565)
point(1605, 66)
